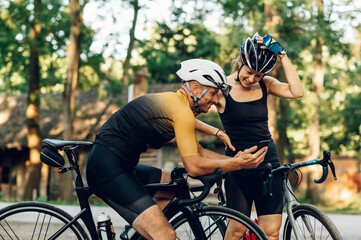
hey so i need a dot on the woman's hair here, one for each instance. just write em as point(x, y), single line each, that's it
point(235, 65)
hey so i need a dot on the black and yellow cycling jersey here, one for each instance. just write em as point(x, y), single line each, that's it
point(150, 120)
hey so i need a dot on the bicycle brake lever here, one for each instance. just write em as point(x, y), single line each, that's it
point(268, 176)
point(327, 157)
point(218, 186)
point(269, 184)
point(332, 166)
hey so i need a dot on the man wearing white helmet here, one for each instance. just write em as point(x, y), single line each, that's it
point(152, 120)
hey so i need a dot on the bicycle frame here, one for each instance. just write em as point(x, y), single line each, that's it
point(184, 208)
point(83, 194)
point(182, 203)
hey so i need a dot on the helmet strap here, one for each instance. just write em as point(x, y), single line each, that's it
point(238, 70)
point(196, 99)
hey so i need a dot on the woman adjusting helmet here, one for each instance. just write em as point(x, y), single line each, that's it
point(256, 58)
point(205, 72)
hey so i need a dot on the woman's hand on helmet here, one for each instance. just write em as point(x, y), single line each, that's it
point(270, 44)
point(260, 41)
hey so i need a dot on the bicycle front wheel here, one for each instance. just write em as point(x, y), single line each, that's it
point(311, 223)
point(213, 221)
point(35, 220)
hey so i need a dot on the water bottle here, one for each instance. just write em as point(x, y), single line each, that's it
point(105, 227)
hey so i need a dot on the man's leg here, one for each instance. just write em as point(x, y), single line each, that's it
point(152, 219)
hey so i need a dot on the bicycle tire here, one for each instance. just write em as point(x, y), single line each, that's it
point(213, 220)
point(36, 220)
point(322, 225)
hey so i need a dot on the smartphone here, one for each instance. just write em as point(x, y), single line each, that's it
point(262, 144)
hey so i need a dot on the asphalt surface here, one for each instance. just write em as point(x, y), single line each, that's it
point(348, 225)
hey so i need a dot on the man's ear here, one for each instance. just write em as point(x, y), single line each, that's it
point(196, 89)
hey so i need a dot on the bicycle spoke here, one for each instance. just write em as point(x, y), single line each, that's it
point(37, 221)
point(214, 224)
point(311, 223)
point(7, 232)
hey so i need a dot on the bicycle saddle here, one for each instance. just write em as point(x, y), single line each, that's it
point(59, 144)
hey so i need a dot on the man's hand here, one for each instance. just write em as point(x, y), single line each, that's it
point(249, 160)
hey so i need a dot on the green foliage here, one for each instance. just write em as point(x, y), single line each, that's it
point(170, 45)
point(185, 35)
point(211, 118)
point(16, 21)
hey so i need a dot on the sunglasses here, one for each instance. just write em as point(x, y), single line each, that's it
point(274, 47)
point(225, 88)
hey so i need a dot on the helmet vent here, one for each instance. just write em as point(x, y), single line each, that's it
point(220, 75)
point(193, 70)
point(209, 78)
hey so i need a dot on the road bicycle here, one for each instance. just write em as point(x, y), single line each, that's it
point(189, 216)
point(304, 221)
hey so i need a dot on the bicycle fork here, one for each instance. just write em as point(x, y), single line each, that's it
point(194, 222)
point(291, 203)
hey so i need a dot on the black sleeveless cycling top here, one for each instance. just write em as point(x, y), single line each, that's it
point(246, 123)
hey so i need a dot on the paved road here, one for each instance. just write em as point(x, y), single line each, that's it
point(348, 225)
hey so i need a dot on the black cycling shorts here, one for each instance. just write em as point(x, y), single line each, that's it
point(120, 186)
point(245, 186)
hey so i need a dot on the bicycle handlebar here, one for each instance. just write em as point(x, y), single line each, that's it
point(180, 187)
point(324, 162)
point(208, 181)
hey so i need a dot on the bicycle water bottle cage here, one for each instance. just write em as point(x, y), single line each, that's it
point(50, 156)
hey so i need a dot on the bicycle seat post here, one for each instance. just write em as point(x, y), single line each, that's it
point(83, 192)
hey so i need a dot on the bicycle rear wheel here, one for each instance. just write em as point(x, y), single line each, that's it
point(35, 220)
point(311, 223)
point(214, 223)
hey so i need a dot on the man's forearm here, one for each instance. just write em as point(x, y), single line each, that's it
point(210, 154)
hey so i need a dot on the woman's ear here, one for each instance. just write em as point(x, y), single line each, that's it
point(239, 61)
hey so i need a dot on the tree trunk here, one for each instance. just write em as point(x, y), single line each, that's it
point(314, 132)
point(272, 20)
point(70, 90)
point(131, 43)
point(34, 173)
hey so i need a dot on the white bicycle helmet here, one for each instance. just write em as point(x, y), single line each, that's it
point(256, 58)
point(205, 72)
